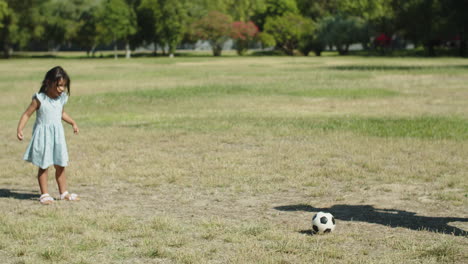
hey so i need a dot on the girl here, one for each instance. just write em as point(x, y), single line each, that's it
point(48, 146)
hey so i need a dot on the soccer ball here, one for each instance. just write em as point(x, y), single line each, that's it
point(323, 223)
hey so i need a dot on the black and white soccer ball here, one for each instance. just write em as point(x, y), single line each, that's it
point(323, 223)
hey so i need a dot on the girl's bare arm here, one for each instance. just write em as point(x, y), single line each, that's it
point(69, 120)
point(25, 117)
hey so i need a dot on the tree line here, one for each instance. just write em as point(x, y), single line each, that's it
point(290, 26)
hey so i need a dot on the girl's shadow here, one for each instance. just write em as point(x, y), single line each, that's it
point(6, 193)
point(387, 217)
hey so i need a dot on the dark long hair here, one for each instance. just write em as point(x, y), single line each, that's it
point(52, 77)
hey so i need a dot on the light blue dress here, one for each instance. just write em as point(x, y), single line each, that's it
point(48, 146)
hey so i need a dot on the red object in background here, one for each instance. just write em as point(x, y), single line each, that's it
point(244, 30)
point(383, 40)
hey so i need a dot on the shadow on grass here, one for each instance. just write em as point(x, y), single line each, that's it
point(6, 193)
point(387, 217)
point(395, 67)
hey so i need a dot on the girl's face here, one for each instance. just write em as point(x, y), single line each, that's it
point(57, 89)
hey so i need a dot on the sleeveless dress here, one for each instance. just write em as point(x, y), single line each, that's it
point(48, 146)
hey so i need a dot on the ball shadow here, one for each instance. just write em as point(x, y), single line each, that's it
point(387, 217)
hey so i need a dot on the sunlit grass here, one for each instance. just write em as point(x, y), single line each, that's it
point(191, 160)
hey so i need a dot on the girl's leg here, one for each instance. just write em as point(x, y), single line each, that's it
point(42, 179)
point(61, 178)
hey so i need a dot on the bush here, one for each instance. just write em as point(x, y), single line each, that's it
point(243, 33)
point(341, 32)
point(215, 28)
point(287, 31)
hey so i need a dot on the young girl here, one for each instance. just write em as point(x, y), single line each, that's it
point(48, 146)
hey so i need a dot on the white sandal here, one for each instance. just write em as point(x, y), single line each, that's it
point(46, 199)
point(69, 196)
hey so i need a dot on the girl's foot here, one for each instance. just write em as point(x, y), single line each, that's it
point(69, 196)
point(46, 199)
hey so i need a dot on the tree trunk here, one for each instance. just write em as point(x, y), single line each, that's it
point(4, 40)
point(115, 49)
point(216, 52)
point(172, 49)
point(6, 51)
point(463, 47)
point(217, 49)
point(430, 49)
point(342, 49)
point(127, 50)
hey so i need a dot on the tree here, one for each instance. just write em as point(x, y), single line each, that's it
point(21, 22)
point(117, 21)
point(87, 35)
point(459, 21)
point(243, 34)
point(377, 15)
point(423, 21)
point(273, 8)
point(313, 40)
point(60, 21)
point(149, 23)
point(244, 10)
point(317, 9)
point(288, 30)
point(341, 32)
point(3, 11)
point(215, 28)
point(173, 19)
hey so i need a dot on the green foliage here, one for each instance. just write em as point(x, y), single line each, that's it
point(21, 23)
point(366, 9)
point(316, 9)
point(117, 21)
point(162, 22)
point(87, 34)
point(239, 10)
point(341, 32)
point(377, 14)
point(48, 24)
point(273, 8)
point(3, 12)
point(244, 10)
point(173, 19)
point(314, 41)
point(148, 23)
point(459, 21)
point(60, 21)
point(215, 28)
point(288, 30)
point(442, 20)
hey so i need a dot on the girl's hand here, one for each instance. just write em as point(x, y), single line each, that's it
point(76, 130)
point(19, 134)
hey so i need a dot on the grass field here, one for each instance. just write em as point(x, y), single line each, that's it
point(225, 160)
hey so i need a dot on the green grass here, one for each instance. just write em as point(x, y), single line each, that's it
point(225, 160)
point(248, 90)
point(453, 128)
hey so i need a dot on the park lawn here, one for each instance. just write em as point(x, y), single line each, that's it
point(225, 160)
